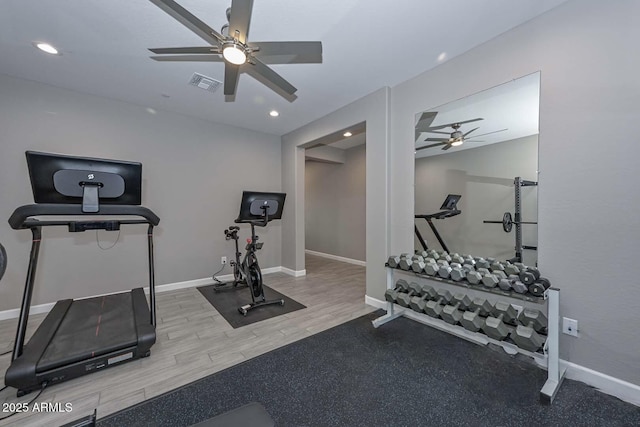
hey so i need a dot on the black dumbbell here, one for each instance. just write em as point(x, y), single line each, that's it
point(539, 286)
point(495, 326)
point(392, 294)
point(529, 275)
point(526, 333)
point(474, 320)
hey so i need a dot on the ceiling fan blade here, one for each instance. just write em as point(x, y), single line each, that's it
point(472, 140)
point(240, 19)
point(489, 133)
point(183, 16)
point(438, 131)
point(446, 147)
point(451, 124)
point(431, 145)
point(467, 133)
point(288, 52)
point(231, 73)
point(259, 70)
point(200, 50)
point(437, 139)
point(188, 58)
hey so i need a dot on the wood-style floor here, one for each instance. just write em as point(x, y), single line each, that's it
point(194, 340)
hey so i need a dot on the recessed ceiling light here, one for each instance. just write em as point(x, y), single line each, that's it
point(347, 134)
point(442, 56)
point(274, 113)
point(46, 47)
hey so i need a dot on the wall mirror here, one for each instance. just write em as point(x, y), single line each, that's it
point(477, 161)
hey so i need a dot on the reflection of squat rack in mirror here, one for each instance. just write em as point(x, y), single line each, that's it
point(508, 221)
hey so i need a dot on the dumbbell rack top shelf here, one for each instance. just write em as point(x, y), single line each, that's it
point(464, 284)
point(549, 359)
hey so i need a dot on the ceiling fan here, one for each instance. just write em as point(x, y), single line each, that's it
point(231, 46)
point(455, 138)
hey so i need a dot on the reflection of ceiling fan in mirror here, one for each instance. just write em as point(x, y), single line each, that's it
point(238, 54)
point(456, 138)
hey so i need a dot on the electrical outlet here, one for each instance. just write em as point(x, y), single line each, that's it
point(570, 326)
point(223, 260)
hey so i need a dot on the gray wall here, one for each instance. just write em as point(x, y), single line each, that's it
point(589, 97)
point(374, 110)
point(193, 171)
point(335, 205)
point(483, 176)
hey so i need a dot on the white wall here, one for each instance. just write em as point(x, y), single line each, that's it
point(483, 176)
point(335, 205)
point(193, 175)
point(586, 51)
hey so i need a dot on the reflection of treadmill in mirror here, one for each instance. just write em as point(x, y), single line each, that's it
point(257, 209)
point(447, 210)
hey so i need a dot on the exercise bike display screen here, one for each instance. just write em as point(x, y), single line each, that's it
point(255, 204)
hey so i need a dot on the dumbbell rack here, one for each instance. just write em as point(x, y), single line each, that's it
point(550, 359)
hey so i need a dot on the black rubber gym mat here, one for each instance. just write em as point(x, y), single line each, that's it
point(401, 374)
point(227, 301)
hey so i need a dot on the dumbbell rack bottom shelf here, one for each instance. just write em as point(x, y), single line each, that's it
point(549, 360)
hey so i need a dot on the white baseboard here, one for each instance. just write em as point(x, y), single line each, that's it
point(45, 308)
point(294, 273)
point(621, 389)
point(337, 258)
point(35, 309)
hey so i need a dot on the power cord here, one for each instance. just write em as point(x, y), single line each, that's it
point(110, 247)
point(214, 274)
point(44, 385)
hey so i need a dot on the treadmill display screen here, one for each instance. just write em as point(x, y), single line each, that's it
point(61, 179)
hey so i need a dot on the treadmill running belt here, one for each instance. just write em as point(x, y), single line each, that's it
point(90, 328)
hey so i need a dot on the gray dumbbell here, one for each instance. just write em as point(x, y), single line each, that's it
point(474, 277)
point(452, 313)
point(444, 271)
point(511, 269)
point(404, 298)
point(418, 265)
point(474, 320)
point(513, 283)
point(526, 334)
point(433, 308)
point(392, 294)
point(492, 279)
point(458, 274)
point(418, 303)
point(495, 326)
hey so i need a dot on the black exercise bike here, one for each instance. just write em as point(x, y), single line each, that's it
point(256, 209)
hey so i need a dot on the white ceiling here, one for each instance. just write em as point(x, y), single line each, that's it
point(366, 45)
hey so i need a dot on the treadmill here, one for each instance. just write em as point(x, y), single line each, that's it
point(448, 209)
point(79, 337)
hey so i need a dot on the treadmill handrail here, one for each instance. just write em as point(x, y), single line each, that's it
point(22, 214)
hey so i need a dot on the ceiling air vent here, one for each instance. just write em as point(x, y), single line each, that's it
point(204, 82)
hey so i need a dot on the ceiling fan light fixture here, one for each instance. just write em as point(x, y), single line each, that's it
point(234, 53)
point(457, 143)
